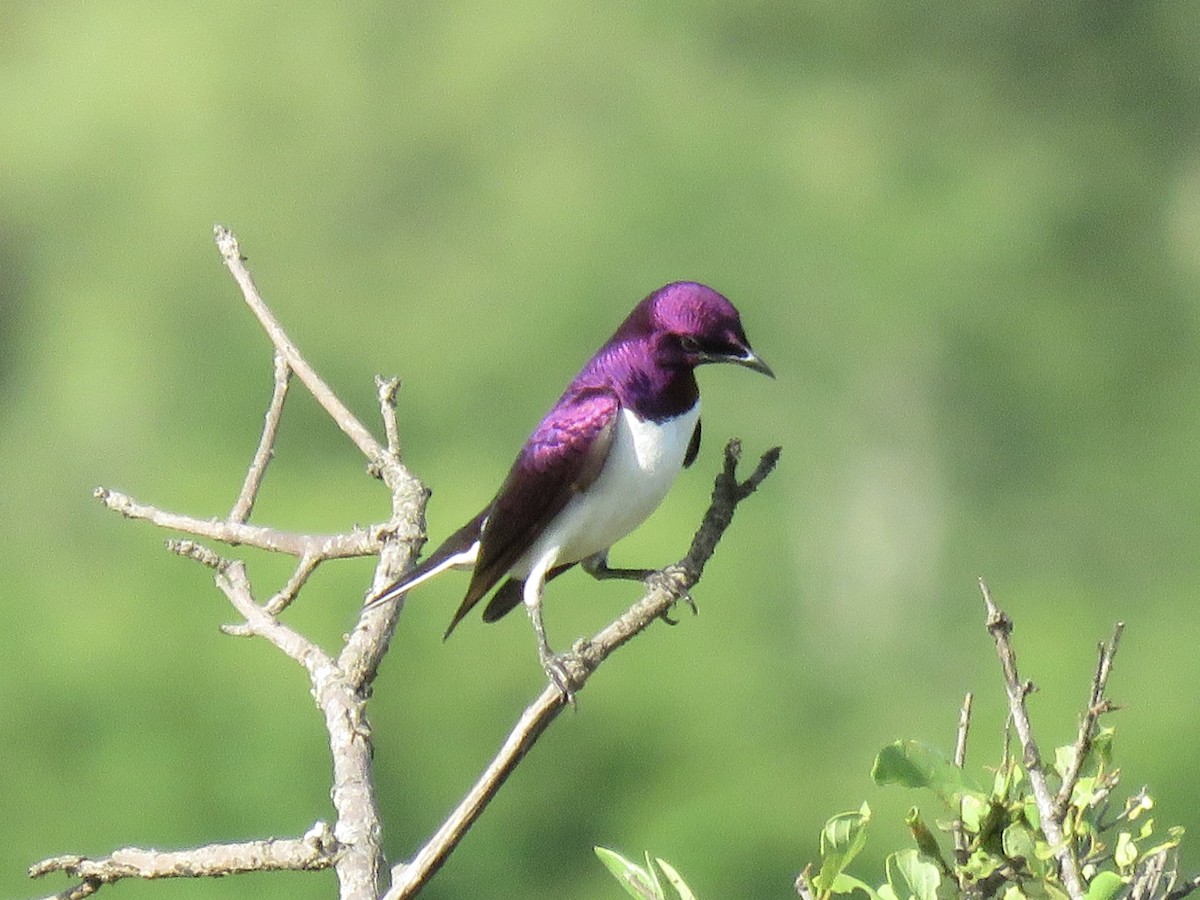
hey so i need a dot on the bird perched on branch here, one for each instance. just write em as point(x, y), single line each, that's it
point(599, 463)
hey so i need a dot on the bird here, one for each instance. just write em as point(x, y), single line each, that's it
point(597, 465)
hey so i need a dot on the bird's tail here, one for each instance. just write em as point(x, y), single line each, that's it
point(459, 551)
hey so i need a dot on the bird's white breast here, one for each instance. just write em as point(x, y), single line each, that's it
point(642, 464)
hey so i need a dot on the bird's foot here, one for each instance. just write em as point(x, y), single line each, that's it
point(664, 580)
point(556, 667)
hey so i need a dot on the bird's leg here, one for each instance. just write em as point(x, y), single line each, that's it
point(552, 664)
point(597, 566)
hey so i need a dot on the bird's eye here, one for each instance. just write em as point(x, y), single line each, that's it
point(689, 344)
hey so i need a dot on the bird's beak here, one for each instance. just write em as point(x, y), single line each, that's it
point(751, 361)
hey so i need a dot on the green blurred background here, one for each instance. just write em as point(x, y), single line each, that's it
point(965, 235)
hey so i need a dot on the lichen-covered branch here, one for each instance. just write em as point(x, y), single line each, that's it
point(317, 849)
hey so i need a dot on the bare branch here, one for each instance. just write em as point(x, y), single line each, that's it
point(266, 444)
point(1098, 704)
point(402, 538)
point(355, 543)
point(387, 388)
point(227, 243)
point(307, 565)
point(664, 589)
point(317, 849)
point(961, 850)
point(1188, 887)
point(999, 625)
point(198, 552)
point(358, 826)
point(234, 584)
point(964, 727)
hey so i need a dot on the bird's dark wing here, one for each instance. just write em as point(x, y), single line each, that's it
point(561, 459)
point(512, 592)
point(693, 449)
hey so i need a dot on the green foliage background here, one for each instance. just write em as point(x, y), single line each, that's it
point(966, 236)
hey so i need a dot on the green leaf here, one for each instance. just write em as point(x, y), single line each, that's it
point(1105, 886)
point(653, 873)
point(1174, 836)
point(1032, 814)
point(842, 839)
point(1126, 852)
point(848, 884)
point(1102, 745)
point(926, 842)
point(1138, 804)
point(1018, 842)
point(1064, 758)
point(1085, 793)
point(912, 876)
point(980, 864)
point(973, 811)
point(636, 881)
point(917, 765)
point(675, 879)
point(1147, 829)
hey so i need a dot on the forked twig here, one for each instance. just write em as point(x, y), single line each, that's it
point(999, 625)
point(1098, 705)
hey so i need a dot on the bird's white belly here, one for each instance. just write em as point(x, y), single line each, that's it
point(642, 464)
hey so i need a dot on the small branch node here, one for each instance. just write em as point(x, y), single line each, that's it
point(386, 389)
point(198, 552)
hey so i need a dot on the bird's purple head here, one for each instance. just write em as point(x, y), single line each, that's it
point(692, 324)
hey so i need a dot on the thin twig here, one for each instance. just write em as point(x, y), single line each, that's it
point(663, 590)
point(961, 850)
point(964, 727)
point(803, 888)
point(386, 389)
point(266, 444)
point(999, 625)
point(317, 849)
point(1098, 705)
point(1188, 887)
point(354, 543)
point(283, 598)
point(227, 243)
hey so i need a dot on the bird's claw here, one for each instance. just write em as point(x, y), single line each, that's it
point(555, 667)
point(662, 579)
